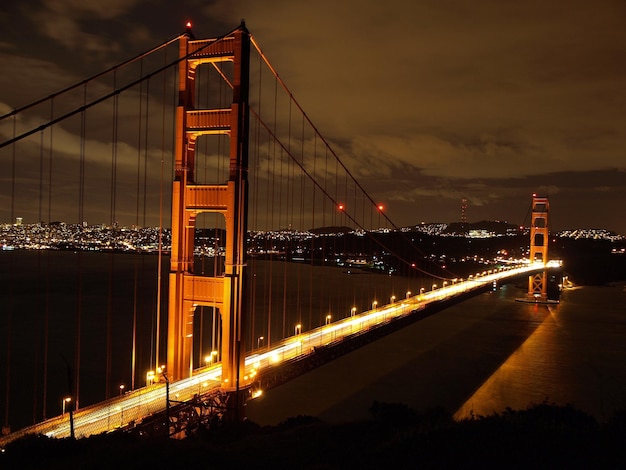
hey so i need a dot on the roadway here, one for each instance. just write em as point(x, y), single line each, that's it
point(133, 406)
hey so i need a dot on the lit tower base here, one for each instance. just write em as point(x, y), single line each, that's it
point(225, 292)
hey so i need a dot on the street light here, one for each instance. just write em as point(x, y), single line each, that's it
point(393, 298)
point(408, 294)
point(121, 389)
point(211, 357)
point(258, 341)
point(445, 283)
point(66, 401)
point(298, 329)
point(421, 290)
point(328, 317)
point(434, 286)
point(352, 311)
point(374, 304)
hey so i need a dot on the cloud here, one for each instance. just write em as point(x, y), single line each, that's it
point(68, 23)
point(38, 78)
point(425, 102)
point(487, 90)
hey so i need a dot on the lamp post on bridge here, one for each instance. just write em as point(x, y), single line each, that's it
point(327, 322)
point(66, 401)
point(209, 359)
point(161, 372)
point(258, 341)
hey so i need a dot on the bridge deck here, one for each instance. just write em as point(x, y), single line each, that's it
point(134, 406)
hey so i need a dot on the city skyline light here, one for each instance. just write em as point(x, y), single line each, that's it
point(426, 103)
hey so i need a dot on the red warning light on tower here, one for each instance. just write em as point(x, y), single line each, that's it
point(341, 207)
point(381, 207)
point(188, 30)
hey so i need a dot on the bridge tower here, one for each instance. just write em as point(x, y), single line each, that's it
point(226, 292)
point(539, 235)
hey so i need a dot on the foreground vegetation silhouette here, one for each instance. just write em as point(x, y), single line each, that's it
point(542, 436)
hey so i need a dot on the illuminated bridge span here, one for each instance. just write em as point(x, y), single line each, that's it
point(129, 409)
point(196, 153)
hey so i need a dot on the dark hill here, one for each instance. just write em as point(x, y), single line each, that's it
point(543, 436)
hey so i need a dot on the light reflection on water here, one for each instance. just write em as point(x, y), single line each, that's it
point(577, 356)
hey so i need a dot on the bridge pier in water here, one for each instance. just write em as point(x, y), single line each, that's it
point(227, 292)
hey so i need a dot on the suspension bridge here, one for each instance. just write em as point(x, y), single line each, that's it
point(227, 229)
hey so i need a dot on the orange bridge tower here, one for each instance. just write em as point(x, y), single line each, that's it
point(539, 235)
point(226, 292)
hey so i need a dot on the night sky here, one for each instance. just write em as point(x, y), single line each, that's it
point(426, 101)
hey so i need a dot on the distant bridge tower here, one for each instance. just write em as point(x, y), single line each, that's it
point(539, 235)
point(187, 290)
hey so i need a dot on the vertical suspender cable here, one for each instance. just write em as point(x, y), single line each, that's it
point(303, 227)
point(255, 207)
point(155, 360)
point(48, 274)
point(145, 151)
point(112, 211)
point(145, 180)
point(313, 236)
point(302, 217)
point(139, 113)
point(272, 202)
point(79, 255)
point(7, 395)
point(12, 219)
point(40, 276)
point(268, 272)
point(133, 353)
